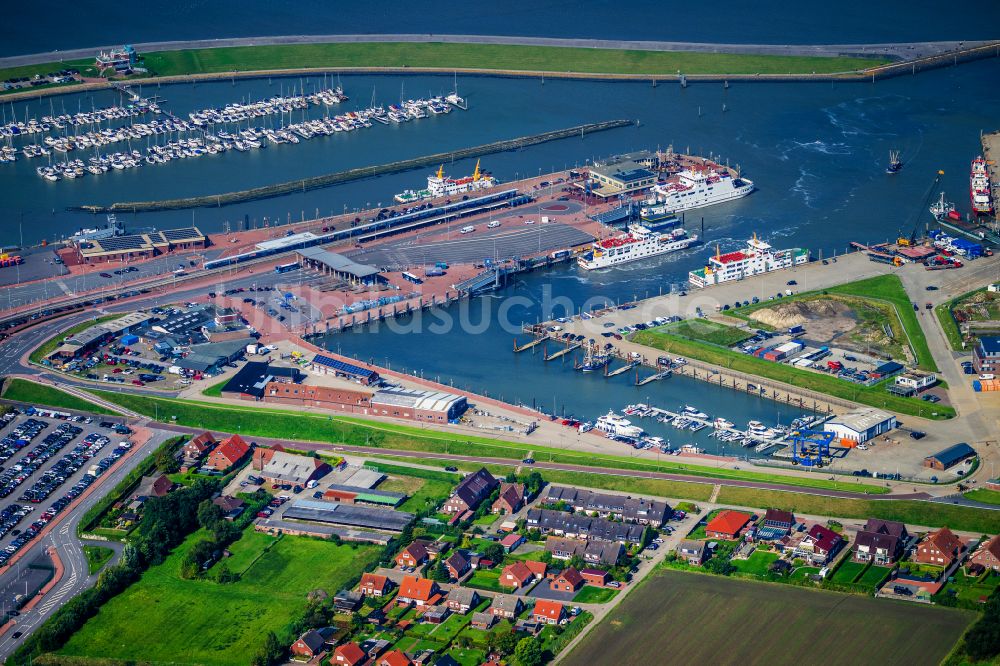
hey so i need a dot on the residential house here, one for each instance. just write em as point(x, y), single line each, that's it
point(778, 520)
point(569, 580)
point(394, 658)
point(511, 542)
point(462, 599)
point(598, 577)
point(548, 612)
point(483, 621)
point(161, 486)
point(436, 614)
point(374, 647)
point(374, 585)
point(472, 490)
point(510, 499)
point(457, 565)
point(195, 449)
point(880, 541)
point(228, 454)
point(425, 658)
point(727, 525)
point(231, 507)
point(819, 545)
point(582, 526)
point(939, 547)
point(506, 606)
point(434, 548)
point(446, 660)
point(348, 654)
point(308, 645)
point(516, 575)
point(412, 556)
point(626, 509)
point(987, 555)
point(592, 552)
point(417, 591)
point(693, 552)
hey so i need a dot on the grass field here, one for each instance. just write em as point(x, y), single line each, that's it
point(694, 618)
point(932, 514)
point(97, 557)
point(848, 572)
point(50, 345)
point(984, 495)
point(426, 488)
point(707, 331)
point(876, 396)
point(591, 594)
point(289, 424)
point(486, 579)
point(23, 390)
point(491, 57)
point(975, 305)
point(163, 618)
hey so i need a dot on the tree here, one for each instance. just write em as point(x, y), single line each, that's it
point(546, 558)
point(493, 552)
point(166, 462)
point(437, 572)
point(506, 642)
point(528, 652)
point(720, 565)
point(209, 514)
point(272, 652)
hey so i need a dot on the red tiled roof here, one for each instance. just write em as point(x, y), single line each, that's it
point(374, 581)
point(510, 539)
point(536, 567)
point(552, 610)
point(232, 449)
point(395, 658)
point(202, 442)
point(416, 550)
point(350, 653)
point(572, 576)
point(946, 541)
point(421, 589)
point(728, 522)
point(519, 571)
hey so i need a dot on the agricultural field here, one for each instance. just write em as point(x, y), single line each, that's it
point(692, 618)
point(204, 622)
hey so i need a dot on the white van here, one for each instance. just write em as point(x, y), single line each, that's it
point(493, 225)
point(468, 230)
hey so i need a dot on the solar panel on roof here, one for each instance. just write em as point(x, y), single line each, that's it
point(123, 243)
point(187, 233)
point(341, 366)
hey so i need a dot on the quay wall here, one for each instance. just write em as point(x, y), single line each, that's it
point(358, 173)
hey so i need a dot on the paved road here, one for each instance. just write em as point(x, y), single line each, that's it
point(69, 547)
point(901, 50)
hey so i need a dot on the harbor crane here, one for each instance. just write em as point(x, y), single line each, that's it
point(911, 240)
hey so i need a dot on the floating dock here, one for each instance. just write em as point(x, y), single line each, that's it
point(563, 352)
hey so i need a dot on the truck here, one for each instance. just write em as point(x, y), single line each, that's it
point(251, 349)
point(796, 330)
point(836, 366)
point(174, 370)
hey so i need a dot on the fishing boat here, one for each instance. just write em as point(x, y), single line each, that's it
point(895, 164)
point(594, 359)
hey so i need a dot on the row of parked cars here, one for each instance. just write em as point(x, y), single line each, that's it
point(20, 437)
point(33, 460)
point(65, 467)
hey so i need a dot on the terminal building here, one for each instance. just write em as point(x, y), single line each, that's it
point(339, 266)
point(626, 175)
point(135, 247)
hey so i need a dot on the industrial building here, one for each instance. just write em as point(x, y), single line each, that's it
point(950, 457)
point(278, 466)
point(89, 339)
point(861, 424)
point(326, 365)
point(418, 404)
point(211, 356)
point(350, 515)
point(251, 382)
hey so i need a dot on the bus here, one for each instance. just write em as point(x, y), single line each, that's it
point(284, 268)
point(410, 277)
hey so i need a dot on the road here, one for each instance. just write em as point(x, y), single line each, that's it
point(898, 51)
point(62, 537)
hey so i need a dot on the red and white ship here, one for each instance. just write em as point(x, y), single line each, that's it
point(638, 243)
point(980, 195)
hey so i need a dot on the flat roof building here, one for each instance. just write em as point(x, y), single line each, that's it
point(861, 424)
point(331, 263)
point(628, 173)
point(352, 515)
point(418, 404)
point(253, 378)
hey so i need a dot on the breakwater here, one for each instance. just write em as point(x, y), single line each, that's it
point(316, 182)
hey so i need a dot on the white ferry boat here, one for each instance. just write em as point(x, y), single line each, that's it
point(440, 185)
point(694, 188)
point(638, 243)
point(756, 258)
point(612, 424)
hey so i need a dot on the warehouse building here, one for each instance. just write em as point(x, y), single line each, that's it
point(211, 356)
point(950, 457)
point(348, 400)
point(326, 365)
point(278, 466)
point(356, 495)
point(861, 424)
point(418, 404)
point(251, 382)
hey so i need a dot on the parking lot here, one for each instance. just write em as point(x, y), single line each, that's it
point(47, 459)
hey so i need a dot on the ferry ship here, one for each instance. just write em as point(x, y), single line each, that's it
point(758, 257)
point(440, 185)
point(979, 188)
point(694, 188)
point(638, 243)
point(612, 424)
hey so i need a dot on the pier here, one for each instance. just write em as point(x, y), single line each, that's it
point(358, 173)
point(623, 369)
point(652, 378)
point(529, 345)
point(563, 352)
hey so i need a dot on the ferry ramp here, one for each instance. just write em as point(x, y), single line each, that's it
point(475, 247)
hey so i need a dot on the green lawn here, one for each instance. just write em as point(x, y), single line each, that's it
point(50, 345)
point(244, 552)
point(803, 572)
point(425, 487)
point(290, 425)
point(707, 331)
point(215, 390)
point(163, 618)
point(757, 564)
point(874, 576)
point(467, 656)
point(487, 520)
point(486, 579)
point(931, 514)
point(97, 557)
point(972, 589)
point(591, 594)
point(984, 495)
point(22, 390)
point(848, 572)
